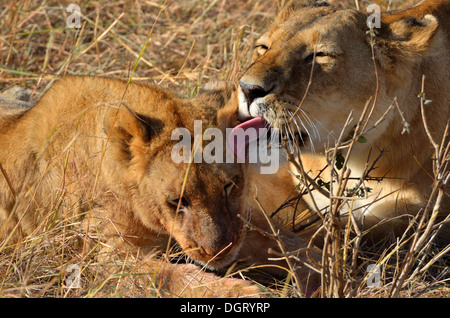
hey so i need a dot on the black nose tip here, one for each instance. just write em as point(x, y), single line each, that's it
point(252, 92)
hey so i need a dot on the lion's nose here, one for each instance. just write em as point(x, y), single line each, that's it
point(252, 91)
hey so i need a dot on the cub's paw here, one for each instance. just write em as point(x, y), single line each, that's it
point(188, 280)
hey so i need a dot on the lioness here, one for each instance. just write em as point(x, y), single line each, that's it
point(322, 59)
point(101, 148)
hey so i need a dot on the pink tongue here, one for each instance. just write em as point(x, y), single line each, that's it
point(239, 145)
point(257, 122)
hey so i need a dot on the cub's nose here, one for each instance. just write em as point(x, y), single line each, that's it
point(251, 92)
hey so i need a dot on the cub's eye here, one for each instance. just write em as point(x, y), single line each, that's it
point(228, 188)
point(173, 201)
point(261, 48)
point(310, 57)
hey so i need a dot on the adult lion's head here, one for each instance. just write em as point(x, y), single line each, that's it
point(322, 59)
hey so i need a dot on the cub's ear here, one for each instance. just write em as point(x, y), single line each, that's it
point(124, 124)
point(129, 133)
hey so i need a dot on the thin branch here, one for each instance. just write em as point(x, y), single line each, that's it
point(280, 244)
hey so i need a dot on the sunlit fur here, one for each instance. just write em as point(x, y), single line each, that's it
point(99, 150)
point(333, 48)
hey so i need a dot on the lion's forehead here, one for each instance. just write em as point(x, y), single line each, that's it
point(304, 19)
point(306, 26)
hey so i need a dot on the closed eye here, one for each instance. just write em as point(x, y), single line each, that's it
point(261, 48)
point(228, 188)
point(174, 200)
point(310, 57)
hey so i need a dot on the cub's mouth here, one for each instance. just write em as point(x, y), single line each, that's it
point(216, 261)
point(214, 251)
point(201, 256)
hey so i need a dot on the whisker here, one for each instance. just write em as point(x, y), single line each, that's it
point(299, 122)
point(291, 145)
point(309, 134)
point(281, 135)
point(319, 124)
point(273, 135)
point(248, 213)
point(285, 126)
point(294, 144)
point(311, 124)
point(295, 120)
point(266, 132)
point(298, 129)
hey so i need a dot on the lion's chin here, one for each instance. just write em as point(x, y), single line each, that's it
point(292, 135)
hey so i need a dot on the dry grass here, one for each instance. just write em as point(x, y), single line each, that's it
point(189, 43)
point(179, 44)
point(412, 264)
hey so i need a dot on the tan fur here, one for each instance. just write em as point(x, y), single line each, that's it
point(102, 151)
point(409, 44)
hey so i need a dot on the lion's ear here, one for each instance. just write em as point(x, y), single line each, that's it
point(415, 35)
point(400, 44)
point(129, 133)
point(407, 39)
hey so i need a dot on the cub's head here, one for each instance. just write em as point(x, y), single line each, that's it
point(321, 58)
point(196, 204)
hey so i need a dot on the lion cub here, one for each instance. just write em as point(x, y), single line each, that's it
point(104, 149)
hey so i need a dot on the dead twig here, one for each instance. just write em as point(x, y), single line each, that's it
point(280, 245)
point(423, 237)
